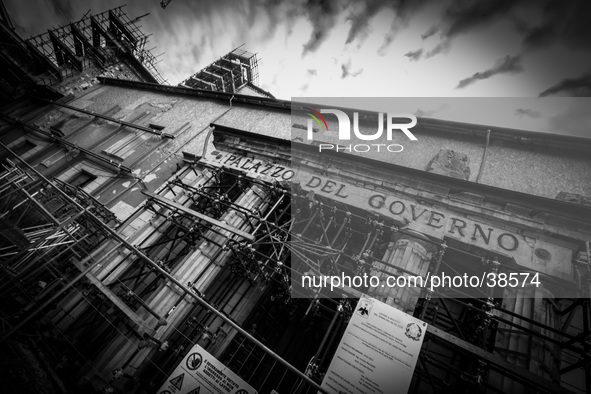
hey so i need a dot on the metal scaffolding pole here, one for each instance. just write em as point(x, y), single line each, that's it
point(163, 272)
point(110, 119)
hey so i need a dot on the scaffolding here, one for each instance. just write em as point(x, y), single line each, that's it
point(116, 287)
point(102, 39)
point(227, 74)
point(47, 229)
point(38, 220)
point(209, 259)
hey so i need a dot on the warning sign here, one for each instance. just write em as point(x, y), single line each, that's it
point(201, 373)
point(178, 381)
point(194, 361)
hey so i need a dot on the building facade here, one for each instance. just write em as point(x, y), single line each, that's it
point(140, 219)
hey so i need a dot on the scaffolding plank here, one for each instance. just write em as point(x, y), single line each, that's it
point(117, 301)
point(201, 216)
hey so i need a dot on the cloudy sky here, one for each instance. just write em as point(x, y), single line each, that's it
point(501, 48)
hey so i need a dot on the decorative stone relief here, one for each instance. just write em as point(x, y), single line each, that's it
point(450, 163)
point(49, 118)
point(574, 198)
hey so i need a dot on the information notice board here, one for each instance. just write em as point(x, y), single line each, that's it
point(201, 373)
point(378, 352)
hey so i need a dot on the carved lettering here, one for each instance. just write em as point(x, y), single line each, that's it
point(314, 182)
point(508, 245)
point(287, 175)
point(454, 225)
point(434, 219)
point(277, 171)
point(327, 188)
point(400, 210)
point(255, 167)
point(376, 201)
point(267, 169)
point(339, 192)
point(246, 162)
point(481, 231)
point(414, 215)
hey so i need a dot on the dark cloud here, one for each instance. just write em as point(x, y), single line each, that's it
point(463, 16)
point(195, 35)
point(429, 32)
point(574, 87)
point(507, 64)
point(312, 72)
point(346, 69)
point(404, 11)
point(414, 56)
point(542, 23)
point(323, 16)
point(360, 20)
point(388, 38)
point(566, 22)
point(520, 23)
point(521, 112)
point(443, 47)
point(459, 17)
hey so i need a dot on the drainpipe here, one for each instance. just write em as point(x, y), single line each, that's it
point(483, 156)
point(211, 128)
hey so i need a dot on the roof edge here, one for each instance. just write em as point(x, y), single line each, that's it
point(441, 126)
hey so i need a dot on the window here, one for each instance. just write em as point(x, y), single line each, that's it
point(126, 144)
point(18, 147)
point(23, 147)
point(124, 147)
point(54, 158)
point(82, 179)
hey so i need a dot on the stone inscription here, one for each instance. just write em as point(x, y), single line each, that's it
point(438, 223)
point(434, 221)
point(258, 167)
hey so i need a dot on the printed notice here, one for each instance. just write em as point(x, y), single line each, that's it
point(200, 372)
point(378, 352)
